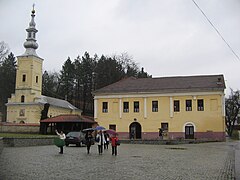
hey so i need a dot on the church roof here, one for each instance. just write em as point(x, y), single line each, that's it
point(165, 85)
point(56, 102)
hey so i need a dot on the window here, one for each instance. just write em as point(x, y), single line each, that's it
point(105, 107)
point(200, 105)
point(154, 106)
point(112, 126)
point(136, 106)
point(36, 79)
point(164, 126)
point(24, 78)
point(29, 34)
point(176, 105)
point(125, 106)
point(22, 98)
point(188, 105)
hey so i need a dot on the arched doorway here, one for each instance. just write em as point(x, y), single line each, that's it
point(189, 131)
point(135, 131)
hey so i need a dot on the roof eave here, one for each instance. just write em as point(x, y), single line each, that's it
point(161, 91)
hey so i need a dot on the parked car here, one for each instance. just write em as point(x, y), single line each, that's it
point(75, 137)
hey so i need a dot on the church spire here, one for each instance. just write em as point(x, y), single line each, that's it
point(30, 44)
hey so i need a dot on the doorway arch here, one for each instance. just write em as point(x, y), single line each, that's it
point(135, 131)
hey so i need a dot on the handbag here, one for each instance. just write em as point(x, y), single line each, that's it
point(97, 139)
point(118, 143)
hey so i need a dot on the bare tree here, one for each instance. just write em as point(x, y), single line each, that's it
point(4, 50)
point(232, 107)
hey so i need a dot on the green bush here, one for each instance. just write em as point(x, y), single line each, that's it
point(235, 135)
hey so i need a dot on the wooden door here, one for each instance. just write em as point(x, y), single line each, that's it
point(189, 132)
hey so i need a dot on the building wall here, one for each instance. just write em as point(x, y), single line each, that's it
point(30, 66)
point(55, 111)
point(19, 128)
point(26, 113)
point(209, 122)
point(32, 113)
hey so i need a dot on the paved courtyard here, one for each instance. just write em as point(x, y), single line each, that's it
point(134, 161)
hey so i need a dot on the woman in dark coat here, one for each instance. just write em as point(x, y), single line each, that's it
point(89, 139)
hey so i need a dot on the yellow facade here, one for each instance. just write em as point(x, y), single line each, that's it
point(210, 120)
point(32, 113)
point(31, 68)
point(24, 106)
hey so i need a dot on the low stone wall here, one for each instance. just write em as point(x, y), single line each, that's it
point(19, 128)
point(165, 142)
point(23, 142)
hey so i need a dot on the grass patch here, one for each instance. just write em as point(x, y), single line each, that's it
point(17, 135)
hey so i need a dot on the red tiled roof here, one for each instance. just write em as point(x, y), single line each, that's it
point(68, 118)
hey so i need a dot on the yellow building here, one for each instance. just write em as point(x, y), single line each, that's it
point(188, 107)
point(27, 104)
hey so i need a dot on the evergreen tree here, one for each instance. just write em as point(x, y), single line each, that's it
point(87, 67)
point(77, 80)
point(108, 71)
point(67, 80)
point(50, 83)
point(7, 81)
point(78, 88)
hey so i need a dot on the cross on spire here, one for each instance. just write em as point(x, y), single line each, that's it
point(30, 44)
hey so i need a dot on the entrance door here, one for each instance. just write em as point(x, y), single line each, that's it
point(189, 132)
point(135, 131)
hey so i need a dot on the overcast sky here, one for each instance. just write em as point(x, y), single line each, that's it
point(166, 37)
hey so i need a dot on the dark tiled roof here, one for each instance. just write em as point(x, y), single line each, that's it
point(68, 118)
point(165, 85)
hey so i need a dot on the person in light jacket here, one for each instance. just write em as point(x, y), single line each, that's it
point(101, 141)
point(63, 137)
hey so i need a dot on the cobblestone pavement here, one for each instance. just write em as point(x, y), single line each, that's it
point(237, 161)
point(134, 161)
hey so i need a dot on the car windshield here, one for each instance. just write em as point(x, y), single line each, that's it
point(73, 134)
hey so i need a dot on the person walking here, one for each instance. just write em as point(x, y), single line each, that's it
point(160, 133)
point(101, 141)
point(114, 143)
point(106, 136)
point(62, 136)
point(89, 139)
